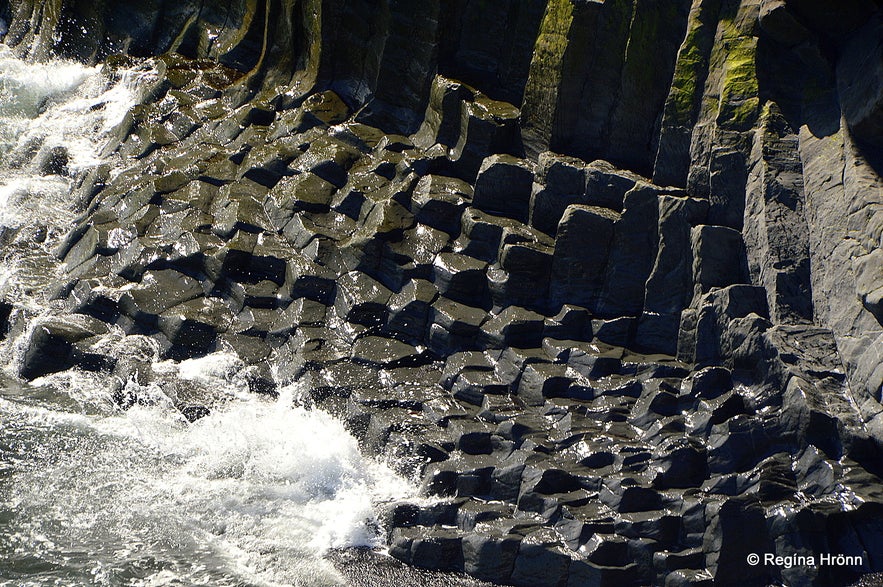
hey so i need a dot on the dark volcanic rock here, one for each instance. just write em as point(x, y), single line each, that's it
point(51, 347)
point(582, 248)
point(54, 162)
point(503, 187)
point(620, 321)
point(860, 82)
point(439, 201)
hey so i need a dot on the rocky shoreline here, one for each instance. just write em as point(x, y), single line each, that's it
point(605, 379)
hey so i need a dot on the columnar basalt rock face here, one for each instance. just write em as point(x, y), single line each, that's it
point(605, 275)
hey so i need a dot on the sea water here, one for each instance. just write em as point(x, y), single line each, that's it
point(255, 493)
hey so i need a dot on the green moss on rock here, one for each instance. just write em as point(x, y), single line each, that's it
point(739, 100)
point(546, 66)
point(691, 62)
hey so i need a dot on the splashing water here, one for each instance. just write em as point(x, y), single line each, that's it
point(43, 106)
point(252, 494)
point(57, 109)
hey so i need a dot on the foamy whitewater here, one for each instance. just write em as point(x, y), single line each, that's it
point(46, 106)
point(255, 493)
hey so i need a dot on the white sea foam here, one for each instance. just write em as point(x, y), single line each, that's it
point(254, 493)
point(58, 104)
point(45, 106)
point(62, 103)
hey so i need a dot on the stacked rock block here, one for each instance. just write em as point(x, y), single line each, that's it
point(767, 110)
point(570, 357)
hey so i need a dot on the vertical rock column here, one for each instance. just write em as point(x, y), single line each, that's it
point(775, 226)
point(581, 251)
point(669, 287)
point(407, 66)
point(721, 140)
point(655, 33)
point(685, 99)
point(489, 45)
point(557, 71)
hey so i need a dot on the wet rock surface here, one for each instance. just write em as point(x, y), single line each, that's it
point(365, 568)
point(620, 337)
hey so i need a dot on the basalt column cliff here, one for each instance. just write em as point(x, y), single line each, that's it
point(606, 276)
